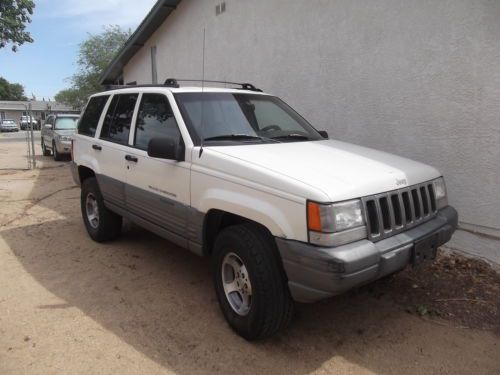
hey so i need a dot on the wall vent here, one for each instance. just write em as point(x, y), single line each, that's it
point(220, 8)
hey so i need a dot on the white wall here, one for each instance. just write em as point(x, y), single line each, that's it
point(417, 78)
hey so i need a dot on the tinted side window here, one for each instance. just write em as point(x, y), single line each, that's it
point(116, 126)
point(155, 119)
point(90, 118)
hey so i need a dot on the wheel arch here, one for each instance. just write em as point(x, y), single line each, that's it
point(84, 173)
point(217, 220)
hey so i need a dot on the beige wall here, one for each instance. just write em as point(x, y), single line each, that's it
point(416, 78)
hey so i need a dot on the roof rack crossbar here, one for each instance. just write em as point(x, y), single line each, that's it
point(118, 87)
point(174, 82)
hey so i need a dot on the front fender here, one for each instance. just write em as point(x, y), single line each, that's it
point(275, 215)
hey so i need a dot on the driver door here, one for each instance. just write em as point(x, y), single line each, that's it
point(157, 190)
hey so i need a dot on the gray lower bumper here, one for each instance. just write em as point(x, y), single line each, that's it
point(315, 273)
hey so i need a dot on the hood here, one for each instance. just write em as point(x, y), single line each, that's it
point(340, 170)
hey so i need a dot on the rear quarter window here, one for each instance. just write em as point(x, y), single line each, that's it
point(91, 115)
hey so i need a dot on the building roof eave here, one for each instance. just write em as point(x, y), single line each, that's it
point(156, 16)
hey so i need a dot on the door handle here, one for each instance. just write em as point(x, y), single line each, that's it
point(97, 147)
point(131, 158)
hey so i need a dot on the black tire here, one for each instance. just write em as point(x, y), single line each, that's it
point(271, 308)
point(57, 156)
point(109, 224)
point(45, 150)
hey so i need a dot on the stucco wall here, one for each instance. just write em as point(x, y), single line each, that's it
point(417, 78)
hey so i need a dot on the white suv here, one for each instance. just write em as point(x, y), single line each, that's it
point(237, 175)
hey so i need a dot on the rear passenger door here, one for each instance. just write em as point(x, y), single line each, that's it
point(113, 146)
point(157, 189)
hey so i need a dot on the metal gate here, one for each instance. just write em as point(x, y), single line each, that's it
point(30, 140)
point(15, 160)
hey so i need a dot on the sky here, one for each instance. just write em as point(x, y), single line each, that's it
point(58, 27)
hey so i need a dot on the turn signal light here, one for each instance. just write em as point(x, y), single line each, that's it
point(313, 216)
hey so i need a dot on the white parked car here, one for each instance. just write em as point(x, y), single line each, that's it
point(7, 125)
point(237, 175)
point(27, 122)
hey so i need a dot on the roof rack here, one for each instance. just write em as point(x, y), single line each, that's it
point(118, 87)
point(174, 82)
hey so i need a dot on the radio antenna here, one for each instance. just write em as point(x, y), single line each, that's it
point(202, 99)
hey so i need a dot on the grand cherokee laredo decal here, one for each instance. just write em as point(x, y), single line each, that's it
point(162, 191)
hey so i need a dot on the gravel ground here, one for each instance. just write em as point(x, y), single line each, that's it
point(143, 305)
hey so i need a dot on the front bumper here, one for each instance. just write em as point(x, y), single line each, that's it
point(25, 126)
point(315, 273)
point(63, 147)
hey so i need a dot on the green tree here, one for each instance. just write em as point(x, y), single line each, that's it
point(11, 91)
point(95, 53)
point(14, 15)
point(68, 96)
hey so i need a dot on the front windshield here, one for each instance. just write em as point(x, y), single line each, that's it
point(8, 121)
point(242, 118)
point(66, 123)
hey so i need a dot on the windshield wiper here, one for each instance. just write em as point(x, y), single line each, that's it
point(292, 136)
point(238, 137)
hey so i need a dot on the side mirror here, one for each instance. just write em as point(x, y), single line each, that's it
point(47, 126)
point(166, 148)
point(323, 133)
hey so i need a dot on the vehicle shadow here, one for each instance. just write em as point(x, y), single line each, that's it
point(159, 299)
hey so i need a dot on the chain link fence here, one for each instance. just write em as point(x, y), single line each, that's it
point(10, 158)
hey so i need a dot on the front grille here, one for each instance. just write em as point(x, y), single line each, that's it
point(390, 213)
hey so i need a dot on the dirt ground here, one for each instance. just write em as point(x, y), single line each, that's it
point(143, 305)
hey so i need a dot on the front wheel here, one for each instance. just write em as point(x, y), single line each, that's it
point(250, 282)
point(45, 150)
point(57, 155)
point(101, 223)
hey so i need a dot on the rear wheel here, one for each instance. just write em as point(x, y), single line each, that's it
point(57, 155)
point(250, 282)
point(101, 223)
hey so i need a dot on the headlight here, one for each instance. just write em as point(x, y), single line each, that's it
point(347, 215)
point(335, 224)
point(440, 193)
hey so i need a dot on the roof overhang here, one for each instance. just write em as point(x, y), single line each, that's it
point(157, 15)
